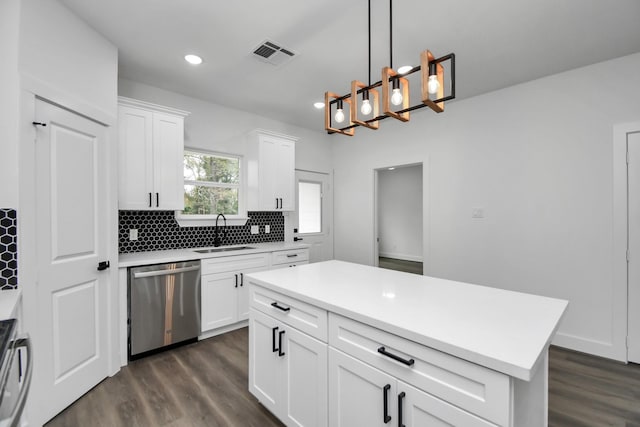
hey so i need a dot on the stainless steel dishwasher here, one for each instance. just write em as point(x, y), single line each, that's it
point(164, 305)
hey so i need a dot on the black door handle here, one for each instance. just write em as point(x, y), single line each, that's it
point(295, 239)
point(236, 280)
point(280, 352)
point(241, 279)
point(273, 339)
point(385, 403)
point(279, 307)
point(400, 397)
point(157, 200)
point(276, 203)
point(280, 202)
point(103, 265)
point(150, 204)
point(409, 362)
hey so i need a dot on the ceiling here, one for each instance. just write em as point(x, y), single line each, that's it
point(498, 43)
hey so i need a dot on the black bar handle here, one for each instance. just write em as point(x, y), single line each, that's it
point(400, 397)
point(292, 255)
point(241, 279)
point(273, 339)
point(150, 203)
point(103, 265)
point(276, 203)
point(295, 239)
point(279, 307)
point(385, 403)
point(157, 200)
point(39, 124)
point(280, 202)
point(409, 362)
point(280, 352)
point(236, 280)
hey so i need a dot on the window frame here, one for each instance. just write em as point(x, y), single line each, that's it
point(200, 220)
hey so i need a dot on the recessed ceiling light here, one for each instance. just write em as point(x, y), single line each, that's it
point(404, 69)
point(318, 105)
point(193, 59)
point(391, 169)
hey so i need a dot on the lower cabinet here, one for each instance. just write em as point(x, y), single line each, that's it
point(287, 371)
point(360, 394)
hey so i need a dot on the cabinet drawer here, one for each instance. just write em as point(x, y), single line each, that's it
point(292, 264)
point(234, 263)
point(289, 257)
point(300, 315)
point(477, 389)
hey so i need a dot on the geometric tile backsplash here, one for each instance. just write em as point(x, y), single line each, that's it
point(158, 230)
point(8, 249)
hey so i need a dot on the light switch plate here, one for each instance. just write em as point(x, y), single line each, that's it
point(133, 234)
point(267, 229)
point(255, 229)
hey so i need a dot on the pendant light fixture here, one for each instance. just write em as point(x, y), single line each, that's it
point(395, 91)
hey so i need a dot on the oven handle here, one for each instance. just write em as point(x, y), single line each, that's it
point(164, 272)
point(22, 397)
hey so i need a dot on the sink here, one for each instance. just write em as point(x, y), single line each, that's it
point(222, 249)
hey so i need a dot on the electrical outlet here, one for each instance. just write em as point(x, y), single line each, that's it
point(255, 229)
point(133, 234)
point(267, 229)
point(477, 213)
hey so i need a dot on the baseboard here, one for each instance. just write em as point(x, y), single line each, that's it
point(403, 257)
point(593, 347)
point(223, 330)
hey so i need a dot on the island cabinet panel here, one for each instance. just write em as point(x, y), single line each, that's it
point(302, 316)
point(479, 390)
point(287, 371)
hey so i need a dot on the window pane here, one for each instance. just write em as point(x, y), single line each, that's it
point(199, 200)
point(203, 167)
point(310, 207)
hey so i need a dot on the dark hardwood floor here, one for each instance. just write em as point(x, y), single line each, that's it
point(205, 384)
point(400, 265)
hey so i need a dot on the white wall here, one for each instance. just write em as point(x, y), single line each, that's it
point(400, 213)
point(538, 158)
point(10, 90)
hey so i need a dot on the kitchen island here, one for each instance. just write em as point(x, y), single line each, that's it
point(340, 344)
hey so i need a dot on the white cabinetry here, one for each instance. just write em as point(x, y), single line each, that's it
point(270, 172)
point(151, 151)
point(288, 367)
point(289, 258)
point(224, 294)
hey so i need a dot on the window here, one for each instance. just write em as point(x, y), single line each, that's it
point(211, 184)
point(310, 207)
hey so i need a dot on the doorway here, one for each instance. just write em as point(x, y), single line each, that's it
point(313, 217)
point(399, 218)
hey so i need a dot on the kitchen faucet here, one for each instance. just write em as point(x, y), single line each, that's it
point(217, 240)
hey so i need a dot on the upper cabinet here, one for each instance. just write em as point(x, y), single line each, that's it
point(151, 152)
point(270, 171)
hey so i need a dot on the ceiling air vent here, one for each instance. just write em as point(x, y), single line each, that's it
point(273, 53)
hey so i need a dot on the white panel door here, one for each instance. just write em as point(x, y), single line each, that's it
point(219, 294)
point(358, 392)
point(70, 346)
point(313, 214)
point(633, 171)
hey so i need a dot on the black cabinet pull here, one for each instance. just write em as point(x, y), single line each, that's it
point(409, 362)
point(150, 203)
point(273, 339)
point(280, 352)
point(292, 255)
point(236, 280)
point(241, 279)
point(385, 403)
point(400, 397)
point(276, 203)
point(279, 307)
point(103, 265)
point(280, 202)
point(157, 200)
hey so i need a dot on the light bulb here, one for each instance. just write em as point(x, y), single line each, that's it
point(339, 115)
point(433, 85)
point(396, 97)
point(366, 107)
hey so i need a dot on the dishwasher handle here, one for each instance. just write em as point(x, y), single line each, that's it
point(142, 274)
point(24, 390)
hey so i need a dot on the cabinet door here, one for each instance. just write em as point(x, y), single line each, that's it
point(265, 365)
point(357, 393)
point(422, 409)
point(268, 167)
point(135, 177)
point(285, 175)
point(168, 158)
point(304, 401)
point(243, 293)
point(219, 300)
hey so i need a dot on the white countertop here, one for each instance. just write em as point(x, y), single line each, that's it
point(175, 255)
point(502, 330)
point(9, 300)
